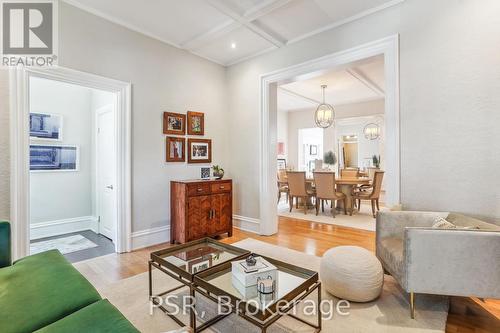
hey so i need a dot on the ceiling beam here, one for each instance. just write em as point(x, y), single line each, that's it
point(297, 95)
point(210, 35)
point(361, 77)
point(246, 22)
point(263, 9)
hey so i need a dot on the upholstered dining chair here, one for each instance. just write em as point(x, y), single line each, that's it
point(349, 173)
point(282, 184)
point(372, 193)
point(325, 190)
point(297, 189)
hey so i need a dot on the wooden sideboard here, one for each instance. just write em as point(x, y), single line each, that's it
point(200, 208)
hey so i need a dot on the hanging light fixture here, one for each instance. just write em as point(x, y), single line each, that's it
point(325, 114)
point(372, 131)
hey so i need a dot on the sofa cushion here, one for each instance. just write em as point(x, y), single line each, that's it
point(99, 317)
point(390, 251)
point(41, 289)
point(470, 222)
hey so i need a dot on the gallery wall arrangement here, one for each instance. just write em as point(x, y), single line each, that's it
point(198, 150)
point(49, 157)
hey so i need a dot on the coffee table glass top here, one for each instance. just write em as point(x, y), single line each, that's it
point(289, 280)
point(199, 255)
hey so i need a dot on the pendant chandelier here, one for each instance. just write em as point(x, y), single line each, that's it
point(325, 114)
point(372, 131)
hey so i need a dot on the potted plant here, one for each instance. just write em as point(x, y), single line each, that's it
point(218, 171)
point(376, 161)
point(329, 158)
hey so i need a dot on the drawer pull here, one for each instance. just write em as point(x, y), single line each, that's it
point(199, 189)
point(222, 187)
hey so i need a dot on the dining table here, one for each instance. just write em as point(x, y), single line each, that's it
point(344, 185)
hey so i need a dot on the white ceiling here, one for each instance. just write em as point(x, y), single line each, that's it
point(359, 83)
point(208, 28)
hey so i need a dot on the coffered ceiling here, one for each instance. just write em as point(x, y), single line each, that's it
point(361, 82)
point(230, 31)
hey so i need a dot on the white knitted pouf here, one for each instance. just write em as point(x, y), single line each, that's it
point(351, 273)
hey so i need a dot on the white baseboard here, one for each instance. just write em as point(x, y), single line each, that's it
point(150, 237)
point(60, 227)
point(245, 223)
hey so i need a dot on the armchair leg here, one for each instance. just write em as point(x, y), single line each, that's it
point(291, 203)
point(305, 205)
point(373, 208)
point(323, 206)
point(345, 207)
point(317, 205)
point(412, 305)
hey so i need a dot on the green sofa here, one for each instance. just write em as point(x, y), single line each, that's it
point(44, 293)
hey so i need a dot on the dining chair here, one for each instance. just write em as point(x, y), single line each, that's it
point(282, 184)
point(325, 190)
point(297, 189)
point(372, 194)
point(349, 173)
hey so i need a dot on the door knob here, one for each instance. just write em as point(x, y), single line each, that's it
point(110, 187)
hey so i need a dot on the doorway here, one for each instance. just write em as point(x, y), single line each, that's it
point(56, 157)
point(72, 147)
point(388, 48)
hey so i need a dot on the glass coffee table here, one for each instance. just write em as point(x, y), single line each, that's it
point(293, 285)
point(183, 262)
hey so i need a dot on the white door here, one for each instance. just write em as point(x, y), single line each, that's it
point(106, 171)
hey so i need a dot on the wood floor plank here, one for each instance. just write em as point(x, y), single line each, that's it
point(467, 315)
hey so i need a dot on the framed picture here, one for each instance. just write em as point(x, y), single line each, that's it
point(205, 173)
point(196, 123)
point(199, 150)
point(281, 164)
point(174, 123)
point(176, 150)
point(45, 126)
point(50, 158)
point(313, 150)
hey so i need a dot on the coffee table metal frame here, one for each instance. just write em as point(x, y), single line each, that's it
point(185, 278)
point(260, 318)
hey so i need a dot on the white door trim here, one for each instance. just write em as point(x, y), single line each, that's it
point(389, 47)
point(19, 149)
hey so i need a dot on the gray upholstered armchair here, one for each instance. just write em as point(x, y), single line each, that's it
point(454, 262)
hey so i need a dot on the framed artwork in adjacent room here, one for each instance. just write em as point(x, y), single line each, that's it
point(176, 150)
point(205, 173)
point(313, 150)
point(174, 123)
point(45, 126)
point(195, 123)
point(199, 150)
point(281, 164)
point(52, 158)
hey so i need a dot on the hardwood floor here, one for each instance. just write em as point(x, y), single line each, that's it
point(467, 315)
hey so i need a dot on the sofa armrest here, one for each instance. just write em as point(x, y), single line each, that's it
point(393, 224)
point(5, 244)
point(453, 262)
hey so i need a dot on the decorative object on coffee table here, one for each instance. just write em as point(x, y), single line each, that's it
point(218, 172)
point(196, 123)
point(352, 273)
point(176, 150)
point(199, 150)
point(174, 123)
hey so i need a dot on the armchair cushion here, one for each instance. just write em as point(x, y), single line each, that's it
point(5, 246)
point(469, 222)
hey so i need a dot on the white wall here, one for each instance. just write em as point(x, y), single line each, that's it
point(4, 146)
point(63, 195)
point(163, 78)
point(449, 70)
point(305, 119)
point(282, 134)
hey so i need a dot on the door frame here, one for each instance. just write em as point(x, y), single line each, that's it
point(389, 47)
point(97, 170)
point(19, 149)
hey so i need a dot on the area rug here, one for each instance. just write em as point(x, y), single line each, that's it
point(360, 220)
point(64, 244)
point(388, 314)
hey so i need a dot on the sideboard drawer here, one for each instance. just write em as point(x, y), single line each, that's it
point(198, 189)
point(221, 187)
